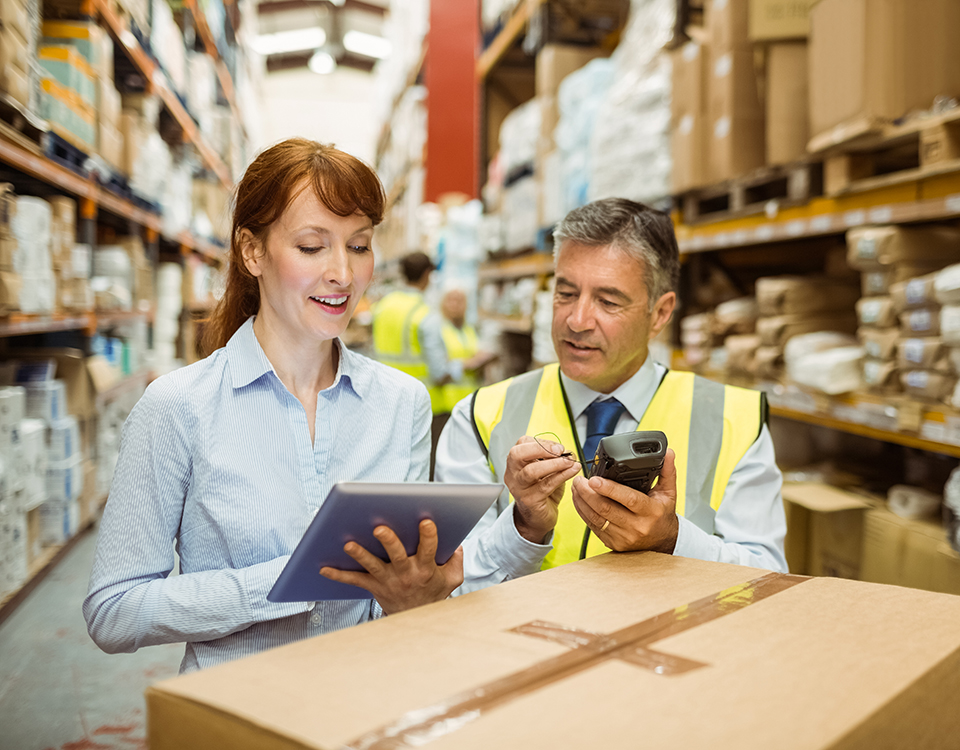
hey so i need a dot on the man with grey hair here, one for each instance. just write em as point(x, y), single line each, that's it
point(718, 498)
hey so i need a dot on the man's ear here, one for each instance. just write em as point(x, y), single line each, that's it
point(662, 312)
point(251, 250)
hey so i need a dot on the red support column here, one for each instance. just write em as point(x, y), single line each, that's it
point(453, 94)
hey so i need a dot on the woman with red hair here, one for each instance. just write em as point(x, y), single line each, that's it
point(227, 460)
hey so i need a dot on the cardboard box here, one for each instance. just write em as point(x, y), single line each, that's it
point(10, 286)
point(556, 61)
point(877, 312)
point(924, 353)
point(881, 376)
point(927, 384)
point(728, 24)
point(689, 115)
point(778, 329)
point(788, 115)
point(779, 19)
point(906, 552)
point(876, 60)
point(80, 375)
point(131, 134)
point(874, 248)
point(834, 529)
point(784, 661)
point(879, 343)
point(917, 292)
point(925, 322)
point(796, 295)
point(736, 133)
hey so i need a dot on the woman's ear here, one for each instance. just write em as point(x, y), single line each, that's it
point(251, 251)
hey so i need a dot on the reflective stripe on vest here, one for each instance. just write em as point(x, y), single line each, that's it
point(461, 343)
point(710, 422)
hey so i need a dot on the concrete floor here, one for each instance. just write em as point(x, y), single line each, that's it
point(58, 691)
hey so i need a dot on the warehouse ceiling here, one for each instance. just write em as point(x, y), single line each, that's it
point(321, 34)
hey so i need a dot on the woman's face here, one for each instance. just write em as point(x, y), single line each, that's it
point(313, 268)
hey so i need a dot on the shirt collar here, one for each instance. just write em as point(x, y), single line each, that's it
point(635, 394)
point(248, 361)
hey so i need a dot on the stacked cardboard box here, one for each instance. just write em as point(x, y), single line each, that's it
point(689, 115)
point(10, 281)
point(768, 661)
point(17, 50)
point(780, 28)
point(794, 305)
point(873, 61)
point(698, 340)
point(31, 227)
point(735, 115)
point(65, 40)
point(888, 257)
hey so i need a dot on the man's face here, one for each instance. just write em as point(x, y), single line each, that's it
point(602, 322)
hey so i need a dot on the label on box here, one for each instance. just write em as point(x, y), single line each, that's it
point(913, 350)
point(867, 248)
point(870, 310)
point(917, 378)
point(723, 66)
point(920, 320)
point(915, 292)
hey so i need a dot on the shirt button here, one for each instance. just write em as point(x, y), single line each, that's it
point(315, 618)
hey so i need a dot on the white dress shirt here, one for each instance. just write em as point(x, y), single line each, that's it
point(750, 523)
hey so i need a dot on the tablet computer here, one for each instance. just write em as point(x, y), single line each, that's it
point(353, 510)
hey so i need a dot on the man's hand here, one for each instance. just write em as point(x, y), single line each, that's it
point(535, 478)
point(404, 582)
point(636, 521)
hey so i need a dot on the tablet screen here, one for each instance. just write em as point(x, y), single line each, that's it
point(353, 510)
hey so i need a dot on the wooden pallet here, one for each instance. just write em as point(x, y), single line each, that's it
point(59, 149)
point(19, 126)
point(874, 154)
point(788, 185)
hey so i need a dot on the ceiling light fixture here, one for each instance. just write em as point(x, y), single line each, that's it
point(322, 63)
point(296, 40)
point(368, 45)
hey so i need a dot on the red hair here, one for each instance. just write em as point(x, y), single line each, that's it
point(342, 183)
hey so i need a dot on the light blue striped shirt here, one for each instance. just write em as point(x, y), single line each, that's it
point(217, 457)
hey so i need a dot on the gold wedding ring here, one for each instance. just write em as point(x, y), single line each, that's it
point(605, 524)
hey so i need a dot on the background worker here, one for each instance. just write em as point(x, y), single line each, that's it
point(463, 348)
point(616, 264)
point(407, 335)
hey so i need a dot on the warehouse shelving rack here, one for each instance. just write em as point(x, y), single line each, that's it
point(27, 159)
point(911, 197)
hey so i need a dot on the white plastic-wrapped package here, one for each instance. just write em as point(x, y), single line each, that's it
point(519, 214)
point(946, 285)
point(519, 134)
point(810, 343)
point(580, 97)
point(950, 324)
point(951, 508)
point(543, 349)
point(913, 502)
point(831, 371)
point(630, 144)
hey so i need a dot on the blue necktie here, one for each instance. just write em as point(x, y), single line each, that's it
point(602, 418)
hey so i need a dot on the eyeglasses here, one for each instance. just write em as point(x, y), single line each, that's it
point(554, 450)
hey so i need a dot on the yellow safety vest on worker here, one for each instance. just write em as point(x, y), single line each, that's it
point(396, 339)
point(461, 343)
point(709, 426)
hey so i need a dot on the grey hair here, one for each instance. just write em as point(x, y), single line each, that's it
point(644, 233)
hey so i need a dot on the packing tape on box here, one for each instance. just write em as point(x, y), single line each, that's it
point(631, 644)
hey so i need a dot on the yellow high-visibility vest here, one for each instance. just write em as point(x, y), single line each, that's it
point(461, 343)
point(396, 338)
point(709, 426)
